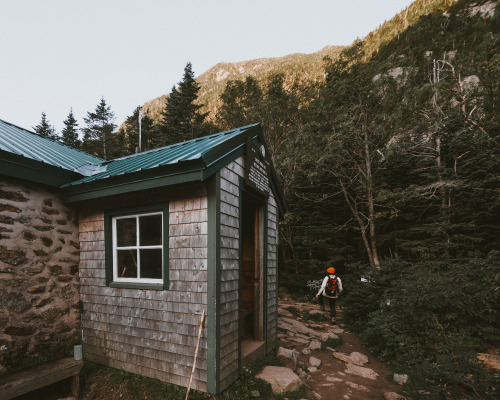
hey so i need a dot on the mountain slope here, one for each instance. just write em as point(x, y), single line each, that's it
point(295, 67)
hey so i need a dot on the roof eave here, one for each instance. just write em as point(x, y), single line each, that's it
point(20, 167)
point(187, 171)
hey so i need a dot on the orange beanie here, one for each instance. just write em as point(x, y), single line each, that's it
point(331, 270)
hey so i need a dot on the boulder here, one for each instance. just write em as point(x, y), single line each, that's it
point(289, 357)
point(361, 371)
point(354, 358)
point(314, 345)
point(328, 335)
point(314, 362)
point(281, 379)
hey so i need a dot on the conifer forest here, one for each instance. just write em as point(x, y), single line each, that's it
point(390, 166)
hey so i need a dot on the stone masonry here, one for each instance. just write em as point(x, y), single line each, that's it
point(39, 255)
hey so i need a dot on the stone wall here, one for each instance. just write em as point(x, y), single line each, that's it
point(39, 256)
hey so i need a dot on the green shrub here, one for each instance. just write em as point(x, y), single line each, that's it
point(429, 320)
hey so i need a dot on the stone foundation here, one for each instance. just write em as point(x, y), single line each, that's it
point(39, 256)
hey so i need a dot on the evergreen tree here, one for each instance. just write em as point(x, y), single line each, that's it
point(98, 134)
point(45, 129)
point(181, 117)
point(69, 134)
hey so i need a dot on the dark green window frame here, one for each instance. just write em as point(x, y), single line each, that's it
point(108, 243)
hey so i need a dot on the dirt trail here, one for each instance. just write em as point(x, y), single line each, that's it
point(332, 380)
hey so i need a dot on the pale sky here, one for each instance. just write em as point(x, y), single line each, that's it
point(58, 54)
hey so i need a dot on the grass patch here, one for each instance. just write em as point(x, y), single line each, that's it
point(113, 384)
point(332, 342)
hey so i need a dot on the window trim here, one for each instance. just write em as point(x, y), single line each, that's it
point(130, 283)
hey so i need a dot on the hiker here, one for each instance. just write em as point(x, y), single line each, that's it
point(330, 288)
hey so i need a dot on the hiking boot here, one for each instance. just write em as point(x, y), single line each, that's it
point(322, 308)
point(333, 321)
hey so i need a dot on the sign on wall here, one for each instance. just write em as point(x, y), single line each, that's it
point(257, 168)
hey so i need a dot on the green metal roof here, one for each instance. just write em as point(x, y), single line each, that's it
point(202, 151)
point(23, 143)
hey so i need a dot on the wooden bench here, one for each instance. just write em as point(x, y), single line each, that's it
point(18, 383)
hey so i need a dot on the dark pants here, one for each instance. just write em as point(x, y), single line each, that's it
point(331, 303)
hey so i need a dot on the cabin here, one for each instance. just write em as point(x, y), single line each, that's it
point(161, 237)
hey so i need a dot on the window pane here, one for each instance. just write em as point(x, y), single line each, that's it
point(127, 263)
point(126, 234)
point(151, 263)
point(150, 227)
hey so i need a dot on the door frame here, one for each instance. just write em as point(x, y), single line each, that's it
point(262, 201)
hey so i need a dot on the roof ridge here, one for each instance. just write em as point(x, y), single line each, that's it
point(174, 145)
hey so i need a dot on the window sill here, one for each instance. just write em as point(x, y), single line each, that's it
point(137, 285)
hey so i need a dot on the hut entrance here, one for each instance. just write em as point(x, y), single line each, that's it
point(252, 287)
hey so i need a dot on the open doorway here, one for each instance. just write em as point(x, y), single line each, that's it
point(252, 285)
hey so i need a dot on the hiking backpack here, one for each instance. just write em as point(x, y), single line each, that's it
point(332, 286)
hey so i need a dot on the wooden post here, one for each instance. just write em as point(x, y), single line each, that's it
point(196, 352)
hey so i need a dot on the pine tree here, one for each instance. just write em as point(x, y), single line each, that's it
point(70, 132)
point(181, 117)
point(45, 129)
point(98, 134)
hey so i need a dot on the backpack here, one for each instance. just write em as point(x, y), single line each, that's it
point(332, 287)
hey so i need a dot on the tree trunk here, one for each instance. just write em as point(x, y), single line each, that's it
point(371, 203)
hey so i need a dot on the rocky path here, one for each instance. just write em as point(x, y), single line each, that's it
point(346, 371)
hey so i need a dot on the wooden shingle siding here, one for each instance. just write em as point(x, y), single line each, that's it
point(272, 273)
point(149, 332)
point(230, 254)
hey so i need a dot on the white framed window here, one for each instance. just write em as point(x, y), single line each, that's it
point(138, 248)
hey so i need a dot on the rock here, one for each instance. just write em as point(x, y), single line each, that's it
point(337, 330)
point(361, 371)
point(491, 361)
point(284, 313)
point(314, 362)
point(293, 325)
point(333, 379)
point(312, 369)
point(400, 379)
point(328, 335)
point(302, 373)
point(393, 396)
point(299, 340)
point(306, 351)
point(289, 357)
point(354, 358)
point(314, 345)
point(361, 388)
point(281, 379)
point(316, 312)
